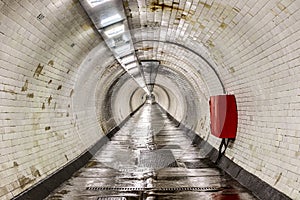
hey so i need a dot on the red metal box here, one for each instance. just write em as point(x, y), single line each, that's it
point(223, 116)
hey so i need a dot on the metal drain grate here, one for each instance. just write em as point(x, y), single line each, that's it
point(132, 189)
point(199, 189)
point(160, 158)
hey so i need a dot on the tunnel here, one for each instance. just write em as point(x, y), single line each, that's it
point(94, 93)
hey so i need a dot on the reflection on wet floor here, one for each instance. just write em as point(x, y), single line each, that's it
point(150, 158)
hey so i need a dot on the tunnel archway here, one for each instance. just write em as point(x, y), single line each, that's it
point(62, 90)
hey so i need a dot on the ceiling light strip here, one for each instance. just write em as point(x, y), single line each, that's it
point(110, 20)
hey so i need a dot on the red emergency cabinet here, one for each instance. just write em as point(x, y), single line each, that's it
point(223, 116)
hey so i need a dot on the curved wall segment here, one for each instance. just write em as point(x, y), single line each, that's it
point(61, 89)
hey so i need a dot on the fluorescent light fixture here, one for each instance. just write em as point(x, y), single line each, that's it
point(135, 72)
point(94, 3)
point(106, 21)
point(131, 66)
point(122, 50)
point(114, 30)
point(128, 59)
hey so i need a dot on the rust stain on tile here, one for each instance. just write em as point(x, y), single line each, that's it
point(49, 100)
point(35, 172)
point(91, 164)
point(210, 44)
point(145, 48)
point(237, 10)
point(51, 63)
point(154, 6)
point(201, 26)
point(86, 27)
point(71, 93)
point(72, 4)
point(38, 70)
point(223, 25)
point(205, 5)
point(103, 128)
point(278, 178)
point(30, 95)
point(184, 17)
point(281, 6)
point(126, 4)
point(25, 87)
point(23, 181)
point(231, 70)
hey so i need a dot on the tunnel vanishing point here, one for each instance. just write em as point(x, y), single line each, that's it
point(127, 83)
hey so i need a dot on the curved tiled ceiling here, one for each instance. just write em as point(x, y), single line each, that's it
point(62, 89)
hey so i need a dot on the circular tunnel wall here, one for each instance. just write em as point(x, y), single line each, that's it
point(62, 90)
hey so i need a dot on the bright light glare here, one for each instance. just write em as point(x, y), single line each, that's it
point(122, 50)
point(114, 31)
point(128, 59)
point(110, 20)
point(94, 3)
point(130, 66)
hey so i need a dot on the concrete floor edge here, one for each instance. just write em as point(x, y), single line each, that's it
point(258, 187)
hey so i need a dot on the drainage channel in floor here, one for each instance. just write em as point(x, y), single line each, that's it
point(135, 189)
point(141, 192)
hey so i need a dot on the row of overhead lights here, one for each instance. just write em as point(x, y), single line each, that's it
point(110, 20)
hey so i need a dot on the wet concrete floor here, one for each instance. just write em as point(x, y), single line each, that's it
point(150, 158)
